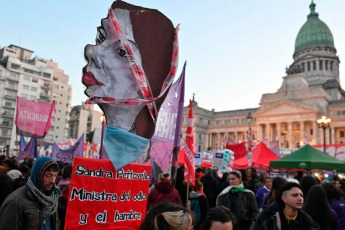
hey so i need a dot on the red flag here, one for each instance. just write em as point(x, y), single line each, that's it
point(189, 159)
point(238, 149)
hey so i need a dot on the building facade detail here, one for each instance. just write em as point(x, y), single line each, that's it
point(35, 79)
point(310, 89)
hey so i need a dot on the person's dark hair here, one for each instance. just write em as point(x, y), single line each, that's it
point(331, 191)
point(221, 214)
point(5, 187)
point(254, 173)
point(23, 167)
point(2, 158)
point(285, 187)
point(156, 220)
point(30, 162)
point(267, 178)
point(67, 171)
point(276, 184)
point(53, 167)
point(236, 174)
point(317, 207)
point(306, 183)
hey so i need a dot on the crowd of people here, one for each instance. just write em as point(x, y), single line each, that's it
point(34, 195)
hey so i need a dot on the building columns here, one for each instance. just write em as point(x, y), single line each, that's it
point(290, 135)
point(302, 131)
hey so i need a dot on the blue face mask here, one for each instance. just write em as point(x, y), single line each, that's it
point(122, 146)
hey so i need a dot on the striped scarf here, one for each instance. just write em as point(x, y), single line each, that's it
point(50, 203)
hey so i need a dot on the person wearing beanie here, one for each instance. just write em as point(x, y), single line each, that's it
point(34, 206)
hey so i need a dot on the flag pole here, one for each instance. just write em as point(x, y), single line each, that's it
point(187, 197)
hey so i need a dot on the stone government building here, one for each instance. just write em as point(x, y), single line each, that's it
point(310, 90)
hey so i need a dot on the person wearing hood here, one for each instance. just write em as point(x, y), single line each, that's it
point(240, 201)
point(34, 205)
point(163, 191)
point(198, 203)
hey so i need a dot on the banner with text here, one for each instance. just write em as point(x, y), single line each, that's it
point(34, 118)
point(337, 150)
point(102, 198)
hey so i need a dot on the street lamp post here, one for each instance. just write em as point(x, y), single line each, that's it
point(324, 123)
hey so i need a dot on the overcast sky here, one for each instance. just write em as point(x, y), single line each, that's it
point(236, 50)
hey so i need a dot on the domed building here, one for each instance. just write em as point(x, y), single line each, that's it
point(310, 89)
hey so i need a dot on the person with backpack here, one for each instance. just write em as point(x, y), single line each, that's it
point(198, 203)
point(240, 201)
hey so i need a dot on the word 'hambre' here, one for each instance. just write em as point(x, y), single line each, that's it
point(128, 175)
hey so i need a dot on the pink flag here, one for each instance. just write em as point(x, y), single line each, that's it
point(34, 118)
point(189, 148)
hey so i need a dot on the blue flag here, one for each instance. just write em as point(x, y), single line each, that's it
point(30, 150)
point(22, 146)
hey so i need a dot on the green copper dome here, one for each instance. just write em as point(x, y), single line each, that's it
point(314, 32)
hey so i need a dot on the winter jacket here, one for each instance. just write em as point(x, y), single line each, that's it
point(203, 203)
point(167, 191)
point(261, 195)
point(210, 189)
point(339, 207)
point(250, 208)
point(22, 211)
point(267, 220)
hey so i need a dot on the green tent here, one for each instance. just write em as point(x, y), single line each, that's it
point(308, 158)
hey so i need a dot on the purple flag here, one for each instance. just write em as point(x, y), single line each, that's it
point(30, 150)
point(22, 146)
point(274, 147)
point(169, 123)
point(66, 156)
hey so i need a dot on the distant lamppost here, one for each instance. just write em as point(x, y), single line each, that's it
point(324, 123)
point(103, 122)
point(249, 119)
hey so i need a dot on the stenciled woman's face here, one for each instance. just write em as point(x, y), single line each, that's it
point(108, 72)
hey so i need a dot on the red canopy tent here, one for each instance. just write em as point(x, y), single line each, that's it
point(261, 157)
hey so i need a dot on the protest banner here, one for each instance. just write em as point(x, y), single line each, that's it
point(34, 118)
point(218, 160)
point(197, 158)
point(335, 150)
point(67, 155)
point(102, 198)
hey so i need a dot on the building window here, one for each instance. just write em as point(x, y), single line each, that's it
point(326, 65)
point(47, 75)
point(314, 65)
point(34, 80)
point(308, 65)
point(342, 134)
point(303, 66)
point(320, 64)
point(331, 66)
point(311, 131)
point(26, 78)
point(343, 113)
point(8, 104)
point(24, 95)
point(34, 89)
point(15, 66)
point(26, 87)
point(338, 113)
point(32, 97)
